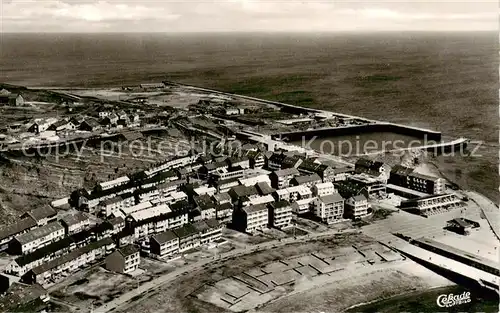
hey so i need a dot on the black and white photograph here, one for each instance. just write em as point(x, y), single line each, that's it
point(249, 156)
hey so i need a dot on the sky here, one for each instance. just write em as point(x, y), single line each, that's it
point(246, 15)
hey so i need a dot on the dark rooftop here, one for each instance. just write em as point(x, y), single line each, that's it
point(185, 231)
point(164, 237)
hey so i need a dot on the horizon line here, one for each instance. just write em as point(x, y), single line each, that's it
point(256, 32)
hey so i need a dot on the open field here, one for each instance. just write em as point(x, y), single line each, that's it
point(262, 277)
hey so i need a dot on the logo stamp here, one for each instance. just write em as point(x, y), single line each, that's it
point(449, 300)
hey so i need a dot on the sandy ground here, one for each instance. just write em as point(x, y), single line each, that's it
point(362, 286)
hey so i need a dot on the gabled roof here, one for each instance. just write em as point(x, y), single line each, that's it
point(185, 231)
point(164, 237)
point(204, 202)
point(264, 188)
point(42, 212)
point(255, 208)
point(73, 219)
point(15, 228)
point(359, 198)
point(128, 250)
point(280, 204)
point(242, 191)
point(224, 196)
point(304, 179)
point(331, 198)
point(39, 232)
point(286, 172)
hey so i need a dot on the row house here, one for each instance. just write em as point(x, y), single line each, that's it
point(146, 194)
point(124, 260)
point(70, 263)
point(281, 178)
point(207, 170)
point(356, 207)
point(329, 209)
point(306, 180)
point(159, 178)
point(171, 186)
point(136, 208)
point(42, 215)
point(251, 218)
point(323, 189)
point(302, 206)
point(280, 214)
point(113, 183)
point(8, 232)
point(171, 198)
point(26, 262)
point(176, 162)
point(37, 238)
point(75, 223)
point(115, 204)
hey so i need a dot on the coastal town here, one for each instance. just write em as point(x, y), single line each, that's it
point(252, 190)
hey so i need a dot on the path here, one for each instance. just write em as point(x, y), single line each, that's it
point(158, 282)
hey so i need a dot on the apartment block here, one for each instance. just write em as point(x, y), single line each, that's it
point(251, 218)
point(330, 208)
point(164, 245)
point(356, 207)
point(280, 214)
point(124, 260)
point(37, 238)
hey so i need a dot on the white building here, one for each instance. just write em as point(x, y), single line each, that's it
point(114, 183)
point(37, 238)
point(251, 181)
point(329, 208)
point(251, 218)
point(124, 260)
point(136, 208)
point(323, 189)
point(302, 206)
point(356, 207)
point(205, 190)
point(280, 214)
point(110, 206)
point(164, 245)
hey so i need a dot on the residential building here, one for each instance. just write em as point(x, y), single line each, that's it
point(372, 168)
point(281, 178)
point(115, 204)
point(124, 260)
point(204, 190)
point(251, 181)
point(224, 211)
point(291, 161)
point(302, 206)
point(406, 177)
point(206, 206)
point(361, 184)
point(62, 125)
point(210, 231)
point(329, 208)
point(307, 180)
point(41, 215)
point(225, 185)
point(69, 263)
point(126, 211)
point(356, 207)
point(8, 232)
point(156, 220)
point(227, 173)
point(221, 198)
point(189, 237)
point(75, 223)
point(256, 159)
point(37, 238)
point(206, 170)
point(323, 189)
point(113, 183)
point(264, 188)
point(292, 194)
point(241, 194)
point(261, 200)
point(251, 218)
point(11, 99)
point(433, 204)
point(164, 245)
point(280, 214)
point(243, 162)
point(274, 163)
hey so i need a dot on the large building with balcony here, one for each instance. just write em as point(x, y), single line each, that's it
point(356, 207)
point(280, 214)
point(251, 218)
point(330, 208)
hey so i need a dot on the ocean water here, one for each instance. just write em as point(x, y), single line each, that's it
point(443, 81)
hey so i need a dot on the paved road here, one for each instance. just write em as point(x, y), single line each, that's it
point(158, 282)
point(489, 209)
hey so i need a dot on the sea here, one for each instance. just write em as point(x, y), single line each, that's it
point(446, 81)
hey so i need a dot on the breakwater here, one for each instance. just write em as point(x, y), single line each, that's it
point(380, 127)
